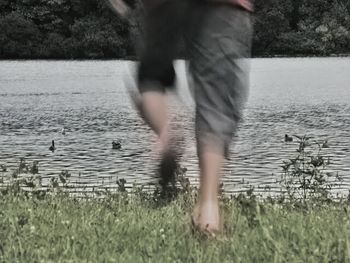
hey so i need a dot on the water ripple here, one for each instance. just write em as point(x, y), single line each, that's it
point(89, 101)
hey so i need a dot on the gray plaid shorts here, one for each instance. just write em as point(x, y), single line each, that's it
point(218, 45)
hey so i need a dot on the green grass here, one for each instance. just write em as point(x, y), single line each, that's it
point(133, 229)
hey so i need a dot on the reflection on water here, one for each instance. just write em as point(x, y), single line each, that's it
point(40, 98)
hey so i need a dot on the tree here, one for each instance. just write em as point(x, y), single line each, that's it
point(271, 21)
point(19, 37)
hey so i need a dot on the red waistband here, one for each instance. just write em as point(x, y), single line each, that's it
point(245, 4)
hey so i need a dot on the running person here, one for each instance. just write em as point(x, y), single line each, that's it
point(218, 35)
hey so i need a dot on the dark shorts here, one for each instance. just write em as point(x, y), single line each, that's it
point(218, 44)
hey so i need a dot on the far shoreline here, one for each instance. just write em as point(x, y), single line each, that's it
point(134, 58)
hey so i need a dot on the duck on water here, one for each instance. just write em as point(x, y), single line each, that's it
point(288, 138)
point(52, 147)
point(116, 145)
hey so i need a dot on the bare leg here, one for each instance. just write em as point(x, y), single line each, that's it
point(154, 109)
point(206, 212)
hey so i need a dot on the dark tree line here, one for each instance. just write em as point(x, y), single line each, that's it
point(61, 29)
point(76, 29)
point(296, 27)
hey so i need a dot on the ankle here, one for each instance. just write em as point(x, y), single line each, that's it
point(208, 197)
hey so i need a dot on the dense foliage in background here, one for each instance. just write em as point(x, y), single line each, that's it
point(61, 29)
point(88, 29)
point(296, 27)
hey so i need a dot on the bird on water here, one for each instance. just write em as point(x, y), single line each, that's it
point(116, 145)
point(325, 144)
point(52, 147)
point(288, 138)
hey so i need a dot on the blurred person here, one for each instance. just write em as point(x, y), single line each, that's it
point(218, 37)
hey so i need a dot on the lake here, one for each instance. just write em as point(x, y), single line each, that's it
point(90, 100)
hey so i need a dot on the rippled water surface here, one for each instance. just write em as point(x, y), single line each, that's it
point(89, 99)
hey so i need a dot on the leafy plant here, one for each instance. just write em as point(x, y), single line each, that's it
point(305, 175)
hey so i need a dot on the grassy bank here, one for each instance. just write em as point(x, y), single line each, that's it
point(41, 222)
point(124, 228)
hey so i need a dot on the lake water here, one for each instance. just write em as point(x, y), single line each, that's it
point(89, 98)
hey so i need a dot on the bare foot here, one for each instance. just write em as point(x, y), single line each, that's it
point(206, 218)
